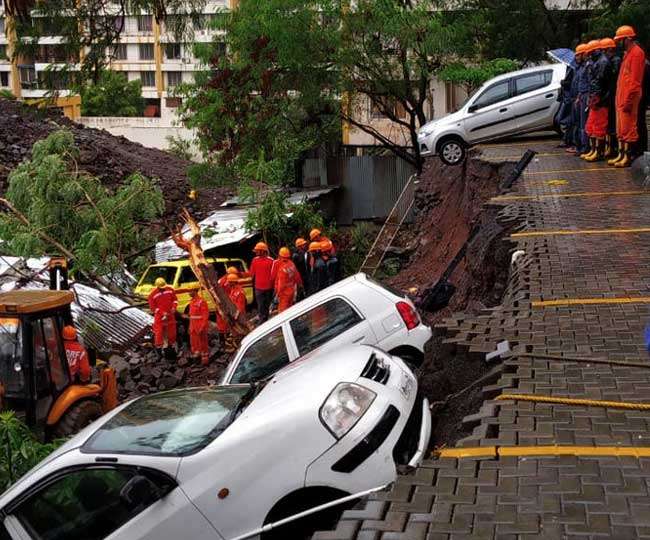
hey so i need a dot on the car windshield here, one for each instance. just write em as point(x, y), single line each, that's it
point(11, 369)
point(168, 273)
point(175, 423)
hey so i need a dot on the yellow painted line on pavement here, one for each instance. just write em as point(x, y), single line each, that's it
point(569, 232)
point(568, 195)
point(546, 450)
point(575, 401)
point(591, 301)
point(588, 169)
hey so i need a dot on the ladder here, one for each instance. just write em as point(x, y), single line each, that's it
point(391, 226)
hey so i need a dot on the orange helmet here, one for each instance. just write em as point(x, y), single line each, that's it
point(261, 246)
point(326, 246)
point(607, 43)
point(624, 31)
point(69, 332)
point(314, 246)
point(284, 253)
point(232, 270)
point(314, 233)
point(231, 278)
point(593, 45)
point(581, 49)
point(300, 242)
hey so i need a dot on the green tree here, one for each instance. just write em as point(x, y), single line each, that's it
point(113, 95)
point(473, 76)
point(607, 16)
point(54, 207)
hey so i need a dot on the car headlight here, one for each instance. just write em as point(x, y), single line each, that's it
point(425, 131)
point(343, 408)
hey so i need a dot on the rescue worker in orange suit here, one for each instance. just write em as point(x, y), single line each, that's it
point(331, 262)
point(199, 324)
point(76, 354)
point(163, 304)
point(316, 236)
point(628, 95)
point(238, 297)
point(260, 270)
point(222, 326)
point(609, 49)
point(286, 280)
point(300, 258)
point(598, 119)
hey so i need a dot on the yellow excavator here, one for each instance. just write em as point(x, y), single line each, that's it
point(35, 379)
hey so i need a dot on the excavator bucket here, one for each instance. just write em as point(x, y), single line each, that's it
point(109, 390)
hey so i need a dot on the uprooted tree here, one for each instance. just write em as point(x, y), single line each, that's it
point(208, 277)
point(54, 208)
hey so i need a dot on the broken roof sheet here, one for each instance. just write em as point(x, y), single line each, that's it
point(226, 226)
point(105, 322)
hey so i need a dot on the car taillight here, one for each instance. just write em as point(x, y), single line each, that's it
point(409, 315)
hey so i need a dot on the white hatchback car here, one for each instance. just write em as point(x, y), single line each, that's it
point(228, 462)
point(510, 104)
point(357, 309)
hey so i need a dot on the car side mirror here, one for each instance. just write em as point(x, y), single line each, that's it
point(139, 491)
point(472, 108)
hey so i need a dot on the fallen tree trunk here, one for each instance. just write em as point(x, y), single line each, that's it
point(208, 277)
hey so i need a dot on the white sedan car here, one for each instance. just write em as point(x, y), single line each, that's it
point(510, 104)
point(228, 462)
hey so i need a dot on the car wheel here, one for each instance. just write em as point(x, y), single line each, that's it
point(452, 151)
point(77, 417)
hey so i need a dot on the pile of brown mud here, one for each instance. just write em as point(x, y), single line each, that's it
point(450, 207)
point(112, 159)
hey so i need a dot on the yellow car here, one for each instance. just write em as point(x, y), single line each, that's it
point(179, 274)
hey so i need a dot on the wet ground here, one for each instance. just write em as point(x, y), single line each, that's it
point(574, 312)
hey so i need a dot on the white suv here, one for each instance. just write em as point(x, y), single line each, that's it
point(229, 462)
point(355, 310)
point(510, 104)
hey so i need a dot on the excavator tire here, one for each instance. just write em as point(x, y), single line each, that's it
point(77, 417)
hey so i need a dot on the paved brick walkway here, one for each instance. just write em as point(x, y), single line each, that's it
point(604, 281)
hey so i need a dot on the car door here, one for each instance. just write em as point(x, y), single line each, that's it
point(328, 325)
point(491, 113)
point(535, 100)
point(262, 358)
point(96, 502)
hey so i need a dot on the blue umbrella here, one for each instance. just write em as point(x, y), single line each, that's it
point(564, 56)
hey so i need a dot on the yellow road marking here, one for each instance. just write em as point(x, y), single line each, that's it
point(591, 301)
point(556, 182)
point(568, 195)
point(588, 169)
point(575, 401)
point(569, 232)
point(547, 450)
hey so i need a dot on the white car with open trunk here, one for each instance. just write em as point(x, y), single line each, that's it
point(229, 462)
point(357, 309)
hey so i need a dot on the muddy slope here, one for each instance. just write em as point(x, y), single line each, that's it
point(106, 156)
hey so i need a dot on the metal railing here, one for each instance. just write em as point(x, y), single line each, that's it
point(391, 226)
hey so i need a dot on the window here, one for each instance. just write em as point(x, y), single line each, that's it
point(173, 102)
point(118, 23)
point(3, 52)
point(533, 81)
point(262, 359)
point(322, 324)
point(168, 273)
point(146, 51)
point(120, 52)
point(380, 108)
point(187, 275)
point(219, 49)
point(57, 369)
point(174, 78)
point(11, 348)
point(83, 504)
point(145, 23)
point(148, 78)
point(173, 51)
point(27, 77)
point(4, 78)
point(2, 25)
point(493, 94)
point(200, 22)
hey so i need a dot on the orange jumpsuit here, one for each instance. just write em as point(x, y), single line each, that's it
point(199, 317)
point(628, 94)
point(163, 304)
point(286, 280)
point(78, 362)
point(238, 297)
point(222, 325)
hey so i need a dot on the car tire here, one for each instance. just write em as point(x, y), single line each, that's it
point(77, 417)
point(452, 151)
